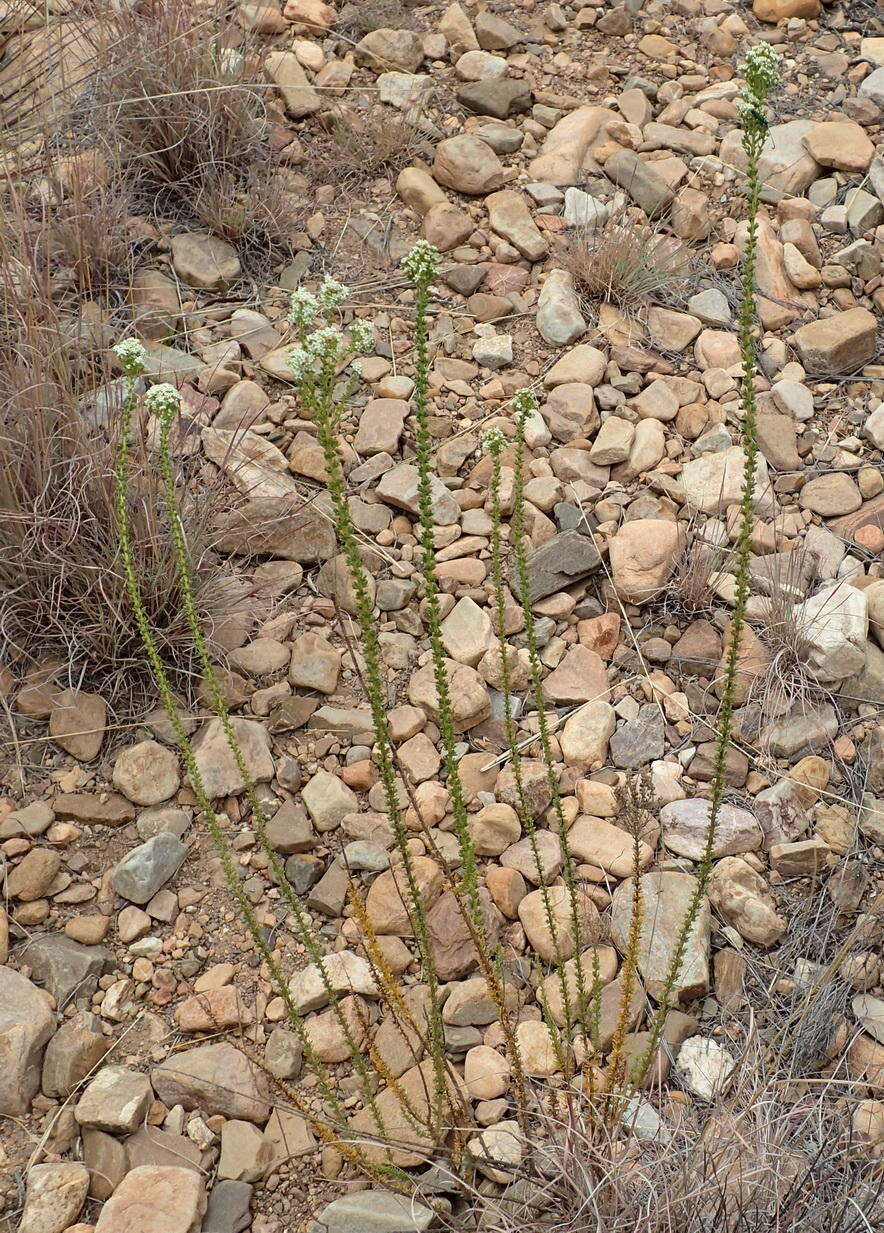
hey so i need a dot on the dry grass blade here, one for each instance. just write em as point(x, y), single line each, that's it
point(755, 1161)
point(702, 559)
point(626, 263)
point(73, 238)
point(789, 685)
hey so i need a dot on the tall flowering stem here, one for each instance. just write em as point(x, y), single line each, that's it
point(163, 402)
point(760, 71)
point(315, 364)
point(524, 405)
point(495, 444)
point(421, 266)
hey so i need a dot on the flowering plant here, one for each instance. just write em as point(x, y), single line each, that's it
point(324, 349)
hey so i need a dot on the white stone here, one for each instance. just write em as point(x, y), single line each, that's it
point(835, 622)
point(583, 210)
point(345, 973)
point(705, 1067)
point(498, 1151)
point(715, 481)
point(559, 319)
point(874, 427)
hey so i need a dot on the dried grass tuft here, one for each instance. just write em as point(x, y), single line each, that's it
point(360, 146)
point(757, 1160)
point(62, 591)
point(357, 20)
point(181, 110)
point(702, 559)
point(627, 263)
point(789, 685)
point(73, 238)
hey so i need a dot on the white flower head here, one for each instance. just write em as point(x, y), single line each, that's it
point(761, 69)
point(493, 442)
point(524, 402)
point(751, 112)
point(356, 368)
point(422, 263)
point(362, 335)
point(326, 343)
point(299, 362)
point(131, 355)
point(303, 308)
point(332, 294)
point(163, 400)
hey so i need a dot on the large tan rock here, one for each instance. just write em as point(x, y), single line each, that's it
point(419, 190)
point(776, 10)
point(155, 1199)
point(643, 555)
point(388, 896)
point(214, 1079)
point(26, 1023)
point(778, 301)
point(610, 847)
point(786, 167)
point(202, 260)
point(400, 1114)
point(584, 738)
point(309, 16)
point(391, 49)
point(285, 71)
point(146, 773)
point(837, 344)
point(565, 153)
point(456, 28)
point(842, 144)
point(744, 899)
point(715, 481)
point(666, 899)
point(469, 695)
point(77, 723)
point(215, 760)
point(595, 963)
point(468, 165)
point(510, 217)
point(56, 1193)
point(567, 931)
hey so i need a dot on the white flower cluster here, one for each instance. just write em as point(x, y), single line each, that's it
point(421, 264)
point(750, 111)
point(303, 308)
point(362, 335)
point(162, 400)
point(299, 362)
point(524, 401)
point(332, 294)
point(326, 345)
point(493, 441)
point(131, 355)
point(761, 69)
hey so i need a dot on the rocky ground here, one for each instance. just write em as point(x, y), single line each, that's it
point(118, 1088)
